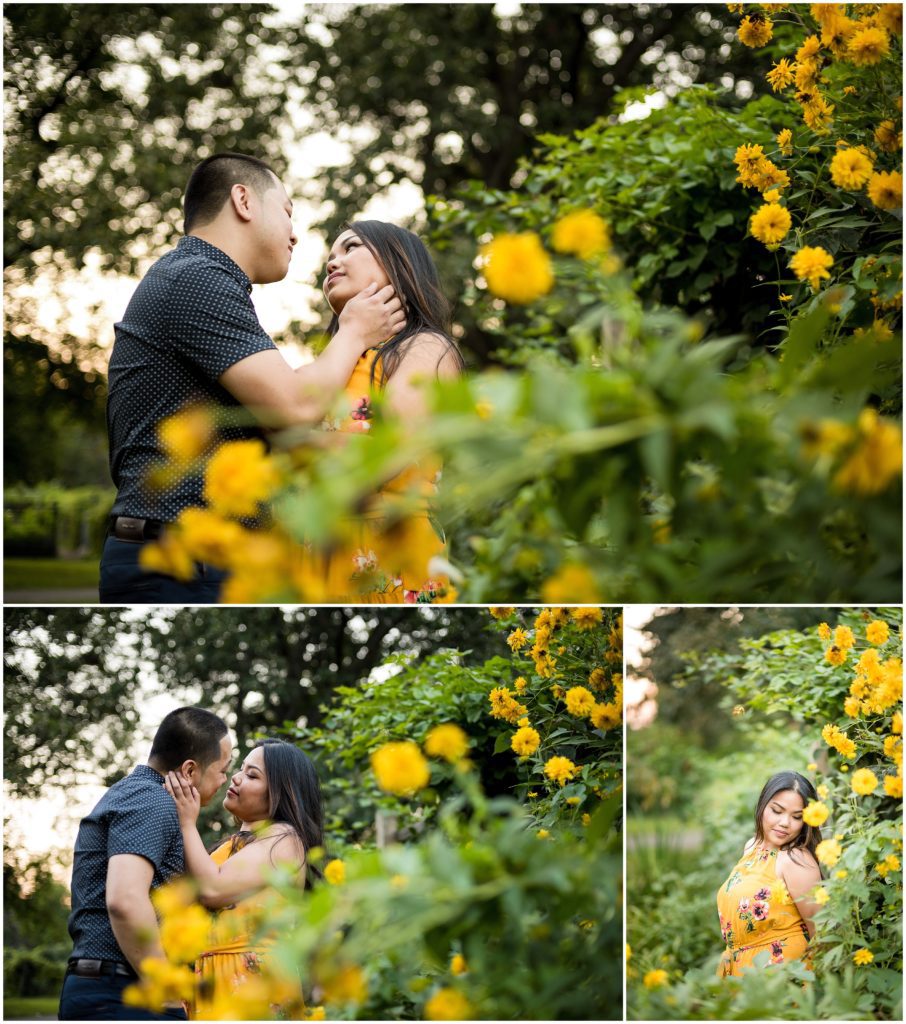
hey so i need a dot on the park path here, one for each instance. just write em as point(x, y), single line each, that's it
point(62, 595)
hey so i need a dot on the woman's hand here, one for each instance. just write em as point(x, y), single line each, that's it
point(374, 315)
point(186, 796)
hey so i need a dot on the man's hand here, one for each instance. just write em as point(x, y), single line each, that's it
point(186, 797)
point(373, 315)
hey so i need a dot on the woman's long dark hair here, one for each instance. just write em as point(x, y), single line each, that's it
point(810, 835)
point(414, 277)
point(294, 795)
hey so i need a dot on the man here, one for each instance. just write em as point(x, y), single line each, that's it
point(128, 845)
point(190, 338)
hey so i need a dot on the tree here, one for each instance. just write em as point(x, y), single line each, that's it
point(108, 106)
point(76, 677)
point(452, 92)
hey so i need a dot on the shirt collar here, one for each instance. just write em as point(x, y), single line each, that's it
point(145, 771)
point(192, 243)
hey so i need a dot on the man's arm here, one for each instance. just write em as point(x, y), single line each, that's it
point(280, 397)
point(129, 907)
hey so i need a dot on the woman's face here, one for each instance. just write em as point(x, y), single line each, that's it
point(781, 820)
point(351, 267)
point(247, 796)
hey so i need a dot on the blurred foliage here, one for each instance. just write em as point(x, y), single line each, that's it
point(789, 692)
point(35, 912)
point(681, 637)
point(51, 519)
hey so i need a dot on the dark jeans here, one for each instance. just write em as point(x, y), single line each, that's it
point(124, 581)
point(102, 999)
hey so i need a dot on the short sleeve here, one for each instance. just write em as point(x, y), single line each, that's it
point(147, 828)
point(212, 321)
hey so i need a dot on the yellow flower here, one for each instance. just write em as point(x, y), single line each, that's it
point(770, 224)
point(579, 702)
point(517, 640)
point(890, 16)
point(628, 952)
point(208, 537)
point(316, 1013)
point(583, 233)
point(893, 786)
point(335, 872)
point(448, 1004)
point(458, 964)
point(818, 114)
point(520, 684)
point(887, 137)
point(823, 792)
point(655, 979)
point(844, 637)
point(560, 769)
point(821, 895)
point(185, 935)
point(851, 707)
point(571, 582)
point(240, 475)
point(885, 190)
point(781, 75)
point(525, 741)
point(447, 741)
point(504, 706)
point(785, 142)
point(167, 556)
point(841, 874)
point(868, 46)
point(815, 813)
point(587, 618)
point(808, 50)
point(500, 612)
point(862, 956)
point(864, 781)
point(877, 458)
point(586, 819)
point(877, 632)
point(186, 435)
point(400, 768)
point(543, 833)
point(829, 851)
point(517, 268)
point(824, 631)
point(850, 169)
point(812, 263)
point(897, 724)
point(345, 985)
point(755, 30)
point(835, 655)
point(606, 716)
point(811, 766)
point(161, 982)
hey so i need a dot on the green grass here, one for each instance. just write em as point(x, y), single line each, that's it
point(49, 573)
point(19, 1008)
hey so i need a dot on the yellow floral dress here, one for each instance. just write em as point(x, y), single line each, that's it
point(757, 914)
point(377, 565)
point(237, 953)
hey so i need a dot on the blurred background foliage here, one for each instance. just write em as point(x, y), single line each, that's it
point(742, 694)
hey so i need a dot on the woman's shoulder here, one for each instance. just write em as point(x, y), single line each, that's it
point(750, 843)
point(796, 860)
point(430, 350)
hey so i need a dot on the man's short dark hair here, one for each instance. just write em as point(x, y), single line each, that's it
point(188, 734)
point(211, 181)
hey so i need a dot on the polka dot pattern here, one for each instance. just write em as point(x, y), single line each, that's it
point(190, 319)
point(136, 815)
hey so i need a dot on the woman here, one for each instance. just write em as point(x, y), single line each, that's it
point(276, 798)
point(764, 906)
point(378, 566)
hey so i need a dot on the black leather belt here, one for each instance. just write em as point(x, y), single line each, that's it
point(129, 528)
point(85, 968)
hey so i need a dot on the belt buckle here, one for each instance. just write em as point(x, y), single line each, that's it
point(90, 968)
point(130, 528)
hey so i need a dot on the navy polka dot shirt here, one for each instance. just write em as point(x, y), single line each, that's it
point(189, 321)
point(136, 815)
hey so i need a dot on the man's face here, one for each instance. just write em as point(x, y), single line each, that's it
point(274, 236)
point(207, 782)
